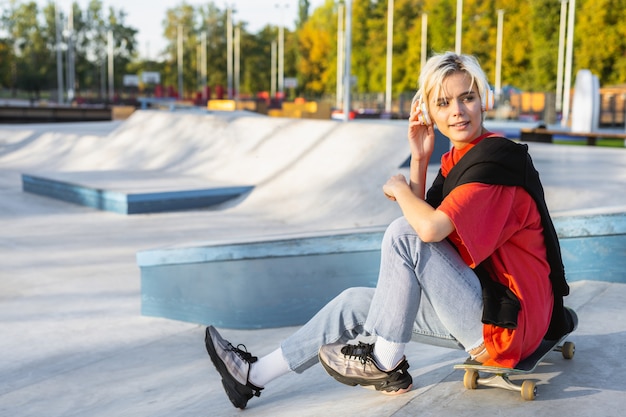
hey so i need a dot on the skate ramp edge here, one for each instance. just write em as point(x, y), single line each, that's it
point(145, 193)
point(285, 281)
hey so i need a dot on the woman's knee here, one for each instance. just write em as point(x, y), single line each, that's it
point(399, 227)
point(354, 302)
point(401, 236)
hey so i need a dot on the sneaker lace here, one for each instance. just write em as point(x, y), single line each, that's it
point(242, 352)
point(362, 352)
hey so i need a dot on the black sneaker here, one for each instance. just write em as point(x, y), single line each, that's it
point(355, 365)
point(233, 364)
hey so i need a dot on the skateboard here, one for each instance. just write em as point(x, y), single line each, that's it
point(500, 376)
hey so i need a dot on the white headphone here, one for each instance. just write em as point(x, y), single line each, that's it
point(487, 99)
point(423, 117)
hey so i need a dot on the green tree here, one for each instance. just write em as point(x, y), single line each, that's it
point(544, 27)
point(303, 12)
point(31, 64)
point(124, 43)
point(317, 40)
point(407, 45)
point(441, 25)
point(517, 44)
point(213, 22)
point(181, 17)
point(256, 71)
point(90, 40)
point(601, 40)
point(6, 60)
point(479, 32)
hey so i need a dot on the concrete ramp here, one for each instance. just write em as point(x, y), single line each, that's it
point(305, 172)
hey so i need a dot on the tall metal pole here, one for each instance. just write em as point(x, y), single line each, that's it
point(58, 29)
point(424, 40)
point(347, 59)
point(237, 61)
point(229, 52)
point(281, 53)
point(71, 74)
point(110, 47)
point(273, 71)
point(569, 55)
point(180, 62)
point(340, 50)
point(459, 25)
point(203, 70)
point(281, 60)
point(199, 65)
point(388, 87)
point(499, 54)
point(559, 69)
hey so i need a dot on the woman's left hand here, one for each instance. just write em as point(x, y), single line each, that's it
point(392, 186)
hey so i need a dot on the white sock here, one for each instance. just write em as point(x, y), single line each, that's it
point(388, 354)
point(268, 368)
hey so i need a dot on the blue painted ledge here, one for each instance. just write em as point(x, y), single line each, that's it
point(285, 281)
point(82, 188)
point(593, 246)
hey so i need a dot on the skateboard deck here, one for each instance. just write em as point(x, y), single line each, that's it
point(500, 376)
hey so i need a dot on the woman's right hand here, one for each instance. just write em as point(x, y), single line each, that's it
point(421, 136)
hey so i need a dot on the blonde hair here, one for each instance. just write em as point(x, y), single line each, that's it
point(440, 66)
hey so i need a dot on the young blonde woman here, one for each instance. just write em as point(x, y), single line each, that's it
point(473, 264)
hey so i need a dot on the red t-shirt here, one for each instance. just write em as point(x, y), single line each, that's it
point(502, 226)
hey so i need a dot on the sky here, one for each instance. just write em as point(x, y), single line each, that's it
point(147, 15)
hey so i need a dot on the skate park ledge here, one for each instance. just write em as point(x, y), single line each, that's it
point(284, 281)
point(111, 191)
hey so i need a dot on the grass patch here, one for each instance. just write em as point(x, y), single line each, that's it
point(606, 142)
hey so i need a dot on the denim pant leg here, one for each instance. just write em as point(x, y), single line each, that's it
point(443, 307)
point(341, 320)
point(425, 292)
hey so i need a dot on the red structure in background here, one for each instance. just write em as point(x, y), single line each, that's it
point(219, 92)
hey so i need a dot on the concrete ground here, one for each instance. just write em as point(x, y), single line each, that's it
point(74, 343)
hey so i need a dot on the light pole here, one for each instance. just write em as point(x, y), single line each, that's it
point(569, 54)
point(499, 55)
point(459, 25)
point(389, 56)
point(347, 59)
point(273, 71)
point(340, 50)
point(424, 40)
point(199, 65)
point(70, 56)
point(203, 69)
point(229, 51)
point(559, 69)
point(58, 34)
point(110, 49)
point(281, 51)
point(237, 61)
point(180, 61)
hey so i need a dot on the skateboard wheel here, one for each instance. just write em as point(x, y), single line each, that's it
point(470, 379)
point(568, 350)
point(529, 390)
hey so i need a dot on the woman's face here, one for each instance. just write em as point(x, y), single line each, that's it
point(458, 111)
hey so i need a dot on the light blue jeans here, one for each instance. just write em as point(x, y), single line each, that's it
point(425, 293)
